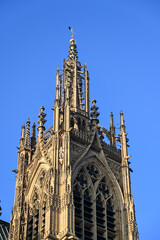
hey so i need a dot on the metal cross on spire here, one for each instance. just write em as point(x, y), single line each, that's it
point(71, 29)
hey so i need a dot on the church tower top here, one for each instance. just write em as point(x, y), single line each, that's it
point(73, 182)
point(72, 88)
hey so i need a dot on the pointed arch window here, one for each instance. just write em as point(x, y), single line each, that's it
point(94, 209)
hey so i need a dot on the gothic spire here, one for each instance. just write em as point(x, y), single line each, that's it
point(94, 113)
point(57, 84)
point(125, 157)
point(27, 135)
point(86, 77)
point(112, 131)
point(72, 89)
point(123, 137)
point(128, 197)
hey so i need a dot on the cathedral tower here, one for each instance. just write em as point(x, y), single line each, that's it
point(71, 183)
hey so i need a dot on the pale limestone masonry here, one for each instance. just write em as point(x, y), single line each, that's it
point(70, 183)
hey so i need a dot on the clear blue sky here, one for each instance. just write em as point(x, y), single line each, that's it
point(120, 41)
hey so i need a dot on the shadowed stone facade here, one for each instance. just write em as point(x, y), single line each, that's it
point(71, 183)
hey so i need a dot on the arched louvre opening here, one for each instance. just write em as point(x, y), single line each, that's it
point(30, 228)
point(88, 215)
point(100, 218)
point(36, 224)
point(78, 212)
point(110, 220)
point(33, 224)
point(94, 209)
point(43, 219)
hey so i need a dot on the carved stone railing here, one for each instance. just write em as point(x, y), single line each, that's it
point(83, 136)
point(111, 151)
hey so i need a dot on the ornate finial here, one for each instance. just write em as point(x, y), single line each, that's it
point(94, 113)
point(41, 120)
point(27, 135)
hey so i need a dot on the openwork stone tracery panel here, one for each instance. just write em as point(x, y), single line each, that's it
point(94, 208)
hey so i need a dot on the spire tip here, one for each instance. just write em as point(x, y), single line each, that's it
point(94, 101)
point(28, 122)
point(42, 108)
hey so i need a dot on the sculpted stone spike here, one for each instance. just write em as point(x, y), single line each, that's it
point(112, 131)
